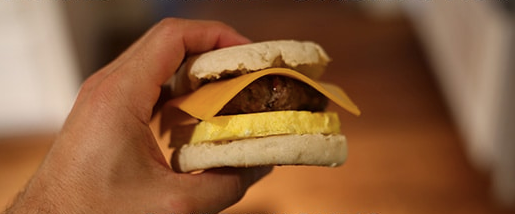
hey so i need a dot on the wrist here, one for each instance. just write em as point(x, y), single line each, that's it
point(43, 196)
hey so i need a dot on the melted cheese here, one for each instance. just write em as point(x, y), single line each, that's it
point(208, 100)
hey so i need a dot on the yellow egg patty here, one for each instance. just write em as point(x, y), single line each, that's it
point(234, 127)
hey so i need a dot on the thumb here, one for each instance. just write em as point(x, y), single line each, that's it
point(214, 190)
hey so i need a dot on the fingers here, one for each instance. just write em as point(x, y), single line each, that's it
point(162, 50)
point(160, 53)
point(214, 190)
point(136, 76)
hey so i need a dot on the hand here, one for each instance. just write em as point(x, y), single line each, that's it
point(106, 159)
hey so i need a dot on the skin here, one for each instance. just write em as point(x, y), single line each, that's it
point(106, 159)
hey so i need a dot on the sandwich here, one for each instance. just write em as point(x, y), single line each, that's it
point(258, 104)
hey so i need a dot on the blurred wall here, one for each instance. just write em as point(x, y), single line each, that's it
point(101, 30)
point(47, 48)
point(470, 45)
point(38, 69)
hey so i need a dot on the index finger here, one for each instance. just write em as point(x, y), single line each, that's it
point(167, 43)
point(144, 67)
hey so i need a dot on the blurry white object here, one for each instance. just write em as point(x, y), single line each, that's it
point(470, 44)
point(39, 78)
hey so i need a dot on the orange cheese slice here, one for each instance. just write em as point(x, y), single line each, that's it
point(208, 100)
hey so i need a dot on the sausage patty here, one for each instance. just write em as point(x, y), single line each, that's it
point(275, 93)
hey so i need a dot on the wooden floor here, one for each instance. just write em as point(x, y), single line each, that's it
point(405, 155)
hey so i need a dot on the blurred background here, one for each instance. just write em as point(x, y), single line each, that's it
point(432, 78)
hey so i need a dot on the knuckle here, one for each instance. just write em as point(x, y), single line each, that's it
point(169, 21)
